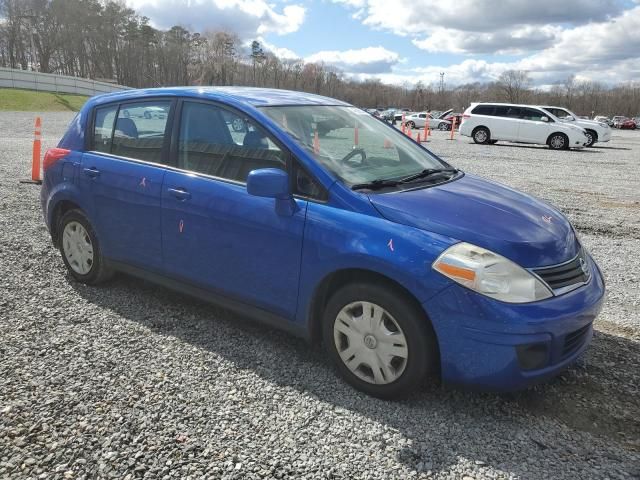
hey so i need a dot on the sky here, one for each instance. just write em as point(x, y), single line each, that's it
point(402, 41)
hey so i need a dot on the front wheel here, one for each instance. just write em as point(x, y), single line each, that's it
point(592, 138)
point(558, 141)
point(378, 340)
point(80, 249)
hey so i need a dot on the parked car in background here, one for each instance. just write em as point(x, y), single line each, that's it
point(493, 122)
point(419, 120)
point(401, 265)
point(456, 116)
point(617, 120)
point(627, 124)
point(596, 131)
point(388, 115)
point(603, 119)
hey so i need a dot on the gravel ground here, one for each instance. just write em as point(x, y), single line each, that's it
point(133, 381)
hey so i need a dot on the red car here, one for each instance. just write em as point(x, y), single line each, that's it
point(457, 116)
point(628, 124)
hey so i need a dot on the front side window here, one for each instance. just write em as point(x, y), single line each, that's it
point(353, 145)
point(533, 114)
point(221, 143)
point(139, 131)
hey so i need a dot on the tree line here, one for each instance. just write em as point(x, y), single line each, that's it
point(105, 40)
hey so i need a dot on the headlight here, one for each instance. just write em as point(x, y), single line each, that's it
point(603, 125)
point(490, 274)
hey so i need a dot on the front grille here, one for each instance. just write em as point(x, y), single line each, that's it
point(574, 340)
point(561, 277)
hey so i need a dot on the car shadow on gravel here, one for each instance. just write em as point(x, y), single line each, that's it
point(598, 396)
point(542, 147)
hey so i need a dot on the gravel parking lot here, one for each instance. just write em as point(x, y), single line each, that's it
point(133, 381)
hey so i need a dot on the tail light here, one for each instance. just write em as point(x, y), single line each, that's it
point(53, 155)
point(466, 115)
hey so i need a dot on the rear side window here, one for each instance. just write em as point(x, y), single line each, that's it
point(140, 130)
point(103, 128)
point(514, 112)
point(223, 144)
point(483, 110)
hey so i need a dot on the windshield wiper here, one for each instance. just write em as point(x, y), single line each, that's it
point(375, 184)
point(428, 172)
point(382, 183)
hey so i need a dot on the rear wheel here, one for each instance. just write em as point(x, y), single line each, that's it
point(481, 135)
point(443, 126)
point(411, 125)
point(378, 340)
point(558, 141)
point(80, 249)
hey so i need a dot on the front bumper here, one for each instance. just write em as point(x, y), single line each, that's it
point(479, 337)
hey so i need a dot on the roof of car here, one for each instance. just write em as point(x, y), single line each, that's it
point(249, 95)
point(509, 104)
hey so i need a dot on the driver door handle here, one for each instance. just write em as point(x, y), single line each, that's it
point(179, 193)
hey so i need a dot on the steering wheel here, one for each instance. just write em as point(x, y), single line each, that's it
point(353, 153)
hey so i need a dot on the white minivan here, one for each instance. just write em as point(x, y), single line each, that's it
point(493, 122)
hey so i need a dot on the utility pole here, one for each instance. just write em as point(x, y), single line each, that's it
point(32, 32)
point(441, 89)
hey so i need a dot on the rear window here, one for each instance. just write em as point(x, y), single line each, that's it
point(134, 130)
point(139, 130)
point(103, 129)
point(483, 110)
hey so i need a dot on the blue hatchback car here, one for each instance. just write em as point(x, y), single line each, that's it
point(311, 215)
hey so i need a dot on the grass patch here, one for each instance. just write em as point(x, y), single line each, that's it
point(13, 99)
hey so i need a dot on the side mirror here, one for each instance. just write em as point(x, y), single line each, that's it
point(544, 119)
point(269, 182)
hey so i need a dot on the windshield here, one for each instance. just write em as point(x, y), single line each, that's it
point(352, 144)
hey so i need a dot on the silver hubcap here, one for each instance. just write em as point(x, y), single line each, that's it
point(77, 248)
point(589, 138)
point(370, 342)
point(557, 141)
point(481, 136)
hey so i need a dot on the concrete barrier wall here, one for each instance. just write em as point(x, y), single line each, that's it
point(49, 82)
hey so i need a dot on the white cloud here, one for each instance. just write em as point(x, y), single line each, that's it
point(280, 52)
point(482, 26)
point(370, 60)
point(420, 16)
point(512, 42)
point(607, 51)
point(247, 18)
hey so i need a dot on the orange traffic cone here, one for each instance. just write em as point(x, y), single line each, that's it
point(453, 128)
point(35, 155)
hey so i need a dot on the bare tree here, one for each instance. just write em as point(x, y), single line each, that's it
point(514, 84)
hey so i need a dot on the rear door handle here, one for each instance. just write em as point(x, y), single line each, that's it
point(92, 172)
point(179, 193)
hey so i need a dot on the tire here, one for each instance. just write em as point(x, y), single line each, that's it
point(592, 137)
point(74, 226)
point(558, 141)
point(481, 135)
point(443, 126)
point(410, 125)
point(413, 338)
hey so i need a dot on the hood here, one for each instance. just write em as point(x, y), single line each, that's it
point(522, 228)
